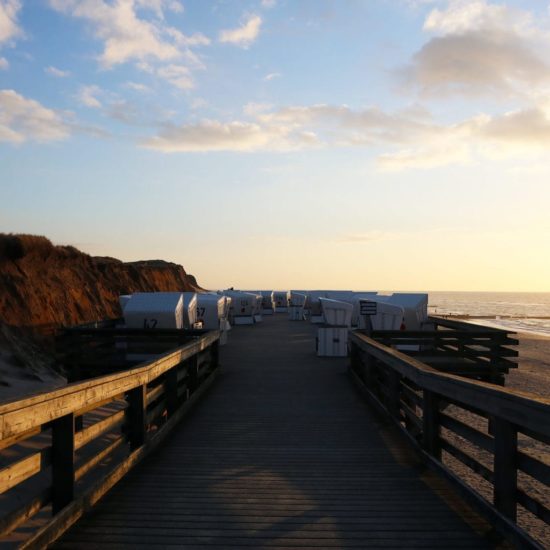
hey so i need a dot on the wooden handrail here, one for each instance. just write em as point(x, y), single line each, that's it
point(522, 408)
point(462, 325)
point(121, 409)
point(388, 378)
point(21, 415)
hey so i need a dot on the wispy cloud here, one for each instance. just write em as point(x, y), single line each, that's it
point(4, 64)
point(268, 4)
point(124, 111)
point(9, 26)
point(272, 76)
point(54, 71)
point(253, 109)
point(411, 138)
point(198, 103)
point(212, 135)
point(128, 37)
point(137, 86)
point(23, 119)
point(377, 235)
point(368, 236)
point(88, 96)
point(245, 34)
point(160, 6)
point(178, 75)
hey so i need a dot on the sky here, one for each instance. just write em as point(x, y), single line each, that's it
point(343, 144)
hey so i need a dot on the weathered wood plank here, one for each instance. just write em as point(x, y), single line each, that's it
point(98, 428)
point(22, 469)
point(476, 437)
point(83, 469)
point(14, 518)
point(534, 467)
point(23, 415)
point(505, 467)
point(62, 453)
point(514, 406)
point(280, 454)
point(71, 513)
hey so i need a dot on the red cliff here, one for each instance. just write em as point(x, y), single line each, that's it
point(45, 285)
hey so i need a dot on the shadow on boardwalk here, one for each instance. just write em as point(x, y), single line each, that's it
point(282, 453)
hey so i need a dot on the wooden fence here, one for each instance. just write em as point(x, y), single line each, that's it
point(56, 468)
point(447, 417)
point(104, 348)
point(457, 347)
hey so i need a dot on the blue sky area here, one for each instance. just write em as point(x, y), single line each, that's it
point(311, 144)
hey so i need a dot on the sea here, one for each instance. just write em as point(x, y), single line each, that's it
point(517, 311)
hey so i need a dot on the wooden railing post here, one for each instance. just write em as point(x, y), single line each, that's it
point(193, 372)
point(171, 390)
point(354, 358)
point(430, 424)
point(215, 351)
point(505, 467)
point(135, 415)
point(62, 462)
point(368, 370)
point(394, 394)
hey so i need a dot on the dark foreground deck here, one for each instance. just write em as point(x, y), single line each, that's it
point(282, 453)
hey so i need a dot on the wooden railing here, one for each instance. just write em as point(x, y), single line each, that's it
point(104, 348)
point(53, 465)
point(457, 347)
point(488, 440)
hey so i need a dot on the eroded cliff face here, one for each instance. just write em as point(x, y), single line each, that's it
point(43, 287)
point(46, 285)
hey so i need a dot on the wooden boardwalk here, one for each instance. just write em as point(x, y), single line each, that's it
point(282, 453)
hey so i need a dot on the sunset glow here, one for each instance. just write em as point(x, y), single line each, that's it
point(278, 144)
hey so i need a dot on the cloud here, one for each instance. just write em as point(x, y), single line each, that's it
point(519, 134)
point(87, 96)
point(125, 111)
point(23, 119)
point(128, 37)
point(253, 109)
point(137, 86)
point(178, 75)
point(196, 39)
point(294, 128)
point(198, 103)
point(348, 127)
point(524, 127)
point(461, 16)
point(369, 236)
point(4, 64)
point(159, 6)
point(424, 157)
point(53, 71)
point(272, 76)
point(479, 48)
point(402, 140)
point(244, 35)
point(478, 62)
point(268, 4)
point(212, 135)
point(9, 27)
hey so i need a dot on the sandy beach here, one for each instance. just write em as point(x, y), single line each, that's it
point(533, 374)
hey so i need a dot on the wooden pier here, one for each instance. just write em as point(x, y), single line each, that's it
point(282, 452)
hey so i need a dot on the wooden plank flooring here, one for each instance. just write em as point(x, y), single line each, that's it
point(281, 454)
